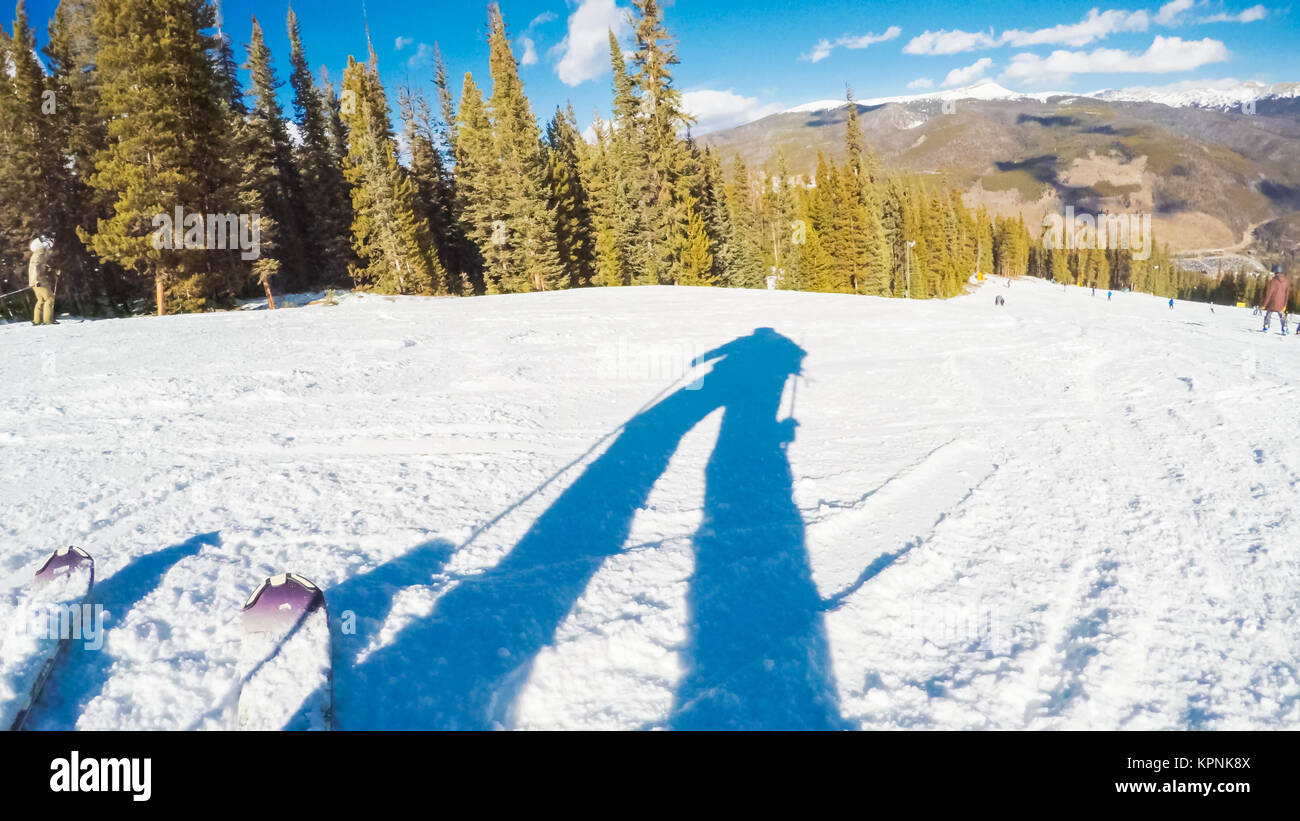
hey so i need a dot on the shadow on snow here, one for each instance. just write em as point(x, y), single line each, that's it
point(756, 654)
point(84, 673)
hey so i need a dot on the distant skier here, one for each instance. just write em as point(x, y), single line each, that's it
point(1275, 298)
point(42, 278)
point(1108, 293)
point(1171, 303)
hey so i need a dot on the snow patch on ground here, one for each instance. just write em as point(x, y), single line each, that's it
point(1066, 512)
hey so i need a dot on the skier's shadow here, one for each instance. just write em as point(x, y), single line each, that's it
point(83, 672)
point(756, 655)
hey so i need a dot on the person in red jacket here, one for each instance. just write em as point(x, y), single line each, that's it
point(1275, 298)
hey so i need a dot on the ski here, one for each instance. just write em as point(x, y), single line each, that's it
point(285, 671)
point(48, 615)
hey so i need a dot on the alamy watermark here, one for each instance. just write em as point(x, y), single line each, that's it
point(208, 232)
point(72, 773)
point(1098, 232)
point(649, 362)
point(63, 622)
point(970, 625)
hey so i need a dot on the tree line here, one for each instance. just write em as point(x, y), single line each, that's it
point(139, 110)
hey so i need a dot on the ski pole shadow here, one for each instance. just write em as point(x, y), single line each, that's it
point(84, 672)
point(756, 653)
point(361, 604)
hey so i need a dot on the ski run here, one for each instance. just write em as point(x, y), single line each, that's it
point(533, 512)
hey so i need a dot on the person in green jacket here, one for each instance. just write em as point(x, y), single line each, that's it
point(42, 278)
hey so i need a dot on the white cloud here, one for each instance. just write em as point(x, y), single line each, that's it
point(1097, 25)
point(870, 38)
point(1250, 15)
point(1166, 54)
point(921, 82)
point(819, 52)
point(1170, 12)
point(949, 42)
point(969, 74)
point(530, 52)
point(541, 19)
point(713, 109)
point(823, 47)
point(403, 42)
point(1253, 14)
point(584, 52)
point(423, 56)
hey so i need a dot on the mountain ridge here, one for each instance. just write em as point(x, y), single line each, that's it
point(1204, 164)
point(1222, 95)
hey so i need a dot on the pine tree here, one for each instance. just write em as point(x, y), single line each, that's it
point(1059, 265)
point(717, 216)
point(430, 179)
point(695, 262)
point(480, 201)
point(779, 208)
point(867, 256)
point(227, 68)
point(460, 257)
point(328, 217)
point(390, 237)
point(622, 182)
point(609, 206)
point(745, 262)
point(11, 226)
point(811, 267)
point(446, 104)
point(660, 152)
point(569, 198)
point(33, 178)
point(524, 254)
point(270, 174)
point(79, 133)
point(168, 146)
point(893, 222)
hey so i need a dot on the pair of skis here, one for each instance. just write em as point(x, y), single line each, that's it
point(285, 670)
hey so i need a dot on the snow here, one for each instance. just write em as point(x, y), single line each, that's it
point(1221, 94)
point(983, 90)
point(1061, 513)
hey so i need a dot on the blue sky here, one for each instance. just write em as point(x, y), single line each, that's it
point(741, 59)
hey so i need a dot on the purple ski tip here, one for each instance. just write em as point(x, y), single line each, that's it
point(63, 563)
point(279, 603)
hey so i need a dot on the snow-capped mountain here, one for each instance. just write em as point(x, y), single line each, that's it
point(1219, 94)
point(1191, 153)
point(983, 90)
point(1222, 95)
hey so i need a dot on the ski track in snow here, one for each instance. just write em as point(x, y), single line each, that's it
point(1064, 513)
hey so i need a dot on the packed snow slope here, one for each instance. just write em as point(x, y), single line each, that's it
point(530, 512)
